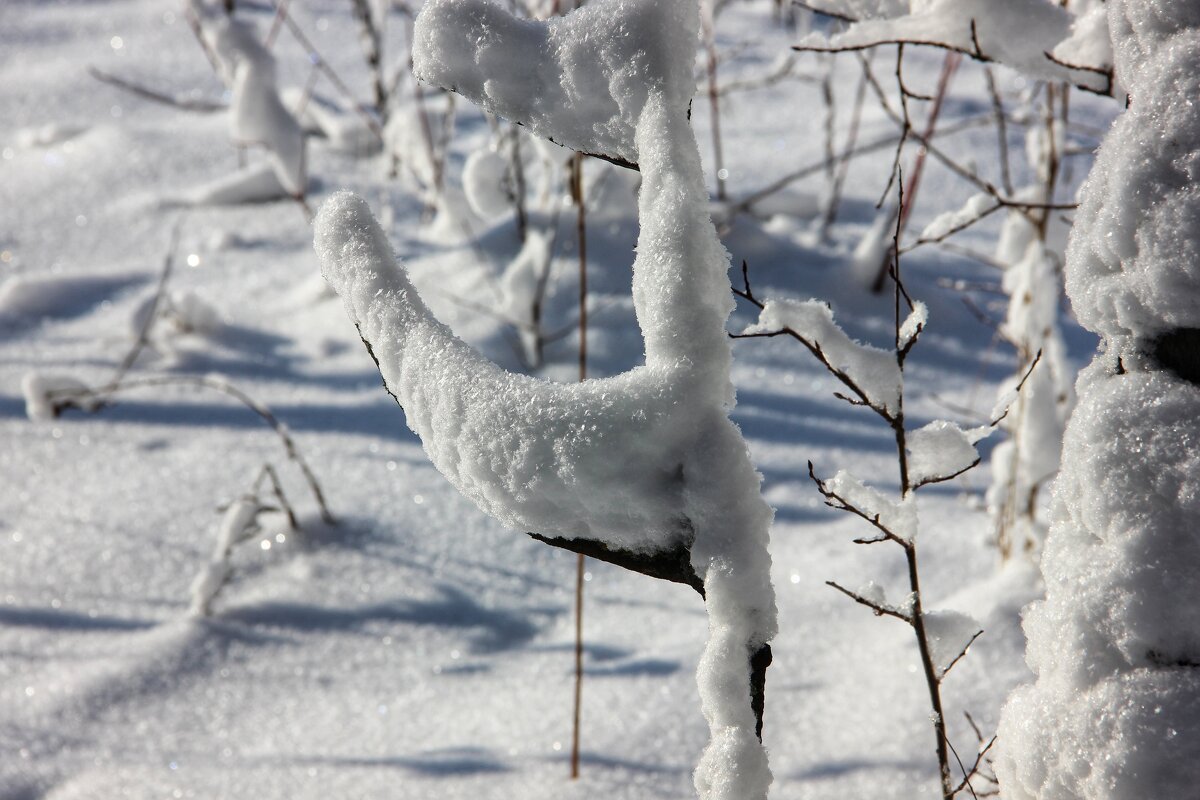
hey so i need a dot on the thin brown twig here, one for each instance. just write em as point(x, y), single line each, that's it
point(880, 610)
point(145, 92)
point(102, 396)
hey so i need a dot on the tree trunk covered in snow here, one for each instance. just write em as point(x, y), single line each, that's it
point(1115, 711)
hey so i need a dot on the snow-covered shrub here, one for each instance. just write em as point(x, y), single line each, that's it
point(1113, 714)
point(257, 114)
point(1030, 252)
point(940, 451)
point(239, 523)
point(645, 467)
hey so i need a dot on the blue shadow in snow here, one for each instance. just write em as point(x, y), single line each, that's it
point(494, 629)
point(59, 619)
point(381, 419)
point(641, 666)
point(434, 764)
point(836, 769)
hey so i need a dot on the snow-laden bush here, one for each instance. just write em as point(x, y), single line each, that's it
point(1115, 711)
point(646, 466)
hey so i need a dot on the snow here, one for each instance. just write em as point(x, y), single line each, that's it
point(898, 517)
point(647, 461)
point(913, 324)
point(419, 647)
point(38, 388)
point(1112, 714)
point(949, 633)
point(1133, 249)
point(257, 114)
point(257, 183)
point(580, 80)
point(237, 523)
point(483, 181)
point(1017, 33)
point(873, 370)
point(949, 221)
point(941, 449)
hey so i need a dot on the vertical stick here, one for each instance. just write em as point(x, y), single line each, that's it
point(580, 561)
point(949, 65)
point(708, 23)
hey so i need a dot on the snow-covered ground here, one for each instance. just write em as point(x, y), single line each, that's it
point(416, 648)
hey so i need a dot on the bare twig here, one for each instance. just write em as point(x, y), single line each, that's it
point(102, 396)
point(880, 610)
point(320, 63)
point(1001, 129)
point(1020, 386)
point(272, 477)
point(946, 670)
point(185, 104)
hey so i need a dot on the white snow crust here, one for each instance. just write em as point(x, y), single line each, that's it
point(483, 182)
point(941, 449)
point(257, 114)
point(237, 522)
point(948, 221)
point(36, 387)
point(1134, 253)
point(580, 79)
point(949, 633)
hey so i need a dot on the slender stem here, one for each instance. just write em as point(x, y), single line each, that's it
point(843, 164)
point(517, 172)
point(714, 97)
point(102, 396)
point(581, 226)
point(580, 569)
point(579, 197)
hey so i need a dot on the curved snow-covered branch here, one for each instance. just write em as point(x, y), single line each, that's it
point(646, 463)
point(529, 452)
